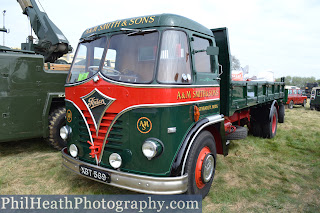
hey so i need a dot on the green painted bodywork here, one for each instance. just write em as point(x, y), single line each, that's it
point(160, 20)
point(124, 137)
point(237, 95)
point(315, 98)
point(126, 140)
point(244, 94)
point(27, 92)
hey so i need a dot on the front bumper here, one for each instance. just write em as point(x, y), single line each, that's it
point(133, 182)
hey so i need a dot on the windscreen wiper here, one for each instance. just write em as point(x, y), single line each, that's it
point(91, 37)
point(137, 31)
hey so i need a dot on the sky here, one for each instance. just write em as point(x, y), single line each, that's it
point(282, 36)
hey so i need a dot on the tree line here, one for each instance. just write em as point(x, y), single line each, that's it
point(299, 81)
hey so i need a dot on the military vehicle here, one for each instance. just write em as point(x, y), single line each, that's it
point(31, 92)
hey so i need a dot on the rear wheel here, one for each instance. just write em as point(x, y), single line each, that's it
point(255, 128)
point(281, 114)
point(291, 105)
point(270, 126)
point(57, 119)
point(201, 164)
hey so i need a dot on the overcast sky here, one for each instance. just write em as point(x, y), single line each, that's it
point(278, 35)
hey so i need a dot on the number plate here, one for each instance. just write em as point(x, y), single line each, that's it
point(94, 173)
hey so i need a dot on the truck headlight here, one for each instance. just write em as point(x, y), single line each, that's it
point(152, 147)
point(65, 132)
point(115, 160)
point(73, 150)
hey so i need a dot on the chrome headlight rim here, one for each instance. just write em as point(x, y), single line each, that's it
point(152, 147)
point(115, 160)
point(73, 150)
point(65, 132)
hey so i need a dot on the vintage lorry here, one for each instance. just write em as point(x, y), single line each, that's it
point(150, 103)
point(293, 96)
point(31, 92)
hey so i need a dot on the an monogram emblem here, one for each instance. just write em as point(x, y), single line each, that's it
point(97, 104)
point(144, 125)
point(69, 115)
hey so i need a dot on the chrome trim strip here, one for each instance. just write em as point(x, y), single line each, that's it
point(155, 85)
point(139, 183)
point(147, 106)
point(140, 85)
point(97, 125)
point(211, 120)
point(85, 121)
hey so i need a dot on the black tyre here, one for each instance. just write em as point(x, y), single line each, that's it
point(57, 119)
point(240, 133)
point(291, 105)
point(281, 114)
point(201, 164)
point(255, 128)
point(269, 129)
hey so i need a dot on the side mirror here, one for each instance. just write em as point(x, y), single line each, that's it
point(212, 50)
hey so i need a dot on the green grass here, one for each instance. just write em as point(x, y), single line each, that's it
point(271, 175)
point(259, 175)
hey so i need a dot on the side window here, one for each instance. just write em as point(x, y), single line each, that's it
point(290, 91)
point(201, 59)
point(318, 92)
point(174, 63)
point(295, 91)
point(87, 60)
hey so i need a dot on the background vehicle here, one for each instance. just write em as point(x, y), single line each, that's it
point(32, 95)
point(293, 96)
point(149, 107)
point(308, 88)
point(315, 98)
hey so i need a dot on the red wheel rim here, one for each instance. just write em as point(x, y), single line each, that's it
point(274, 123)
point(204, 151)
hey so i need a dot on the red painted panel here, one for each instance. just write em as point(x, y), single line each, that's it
point(130, 96)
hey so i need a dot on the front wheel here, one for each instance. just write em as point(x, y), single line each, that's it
point(57, 119)
point(201, 164)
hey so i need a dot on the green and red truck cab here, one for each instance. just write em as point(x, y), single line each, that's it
point(150, 103)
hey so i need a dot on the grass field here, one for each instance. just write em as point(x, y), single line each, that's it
point(258, 175)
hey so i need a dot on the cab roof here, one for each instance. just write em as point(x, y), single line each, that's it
point(160, 20)
point(315, 88)
point(291, 87)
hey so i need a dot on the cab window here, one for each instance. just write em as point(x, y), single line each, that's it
point(201, 59)
point(174, 61)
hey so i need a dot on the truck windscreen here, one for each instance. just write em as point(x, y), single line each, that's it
point(131, 58)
